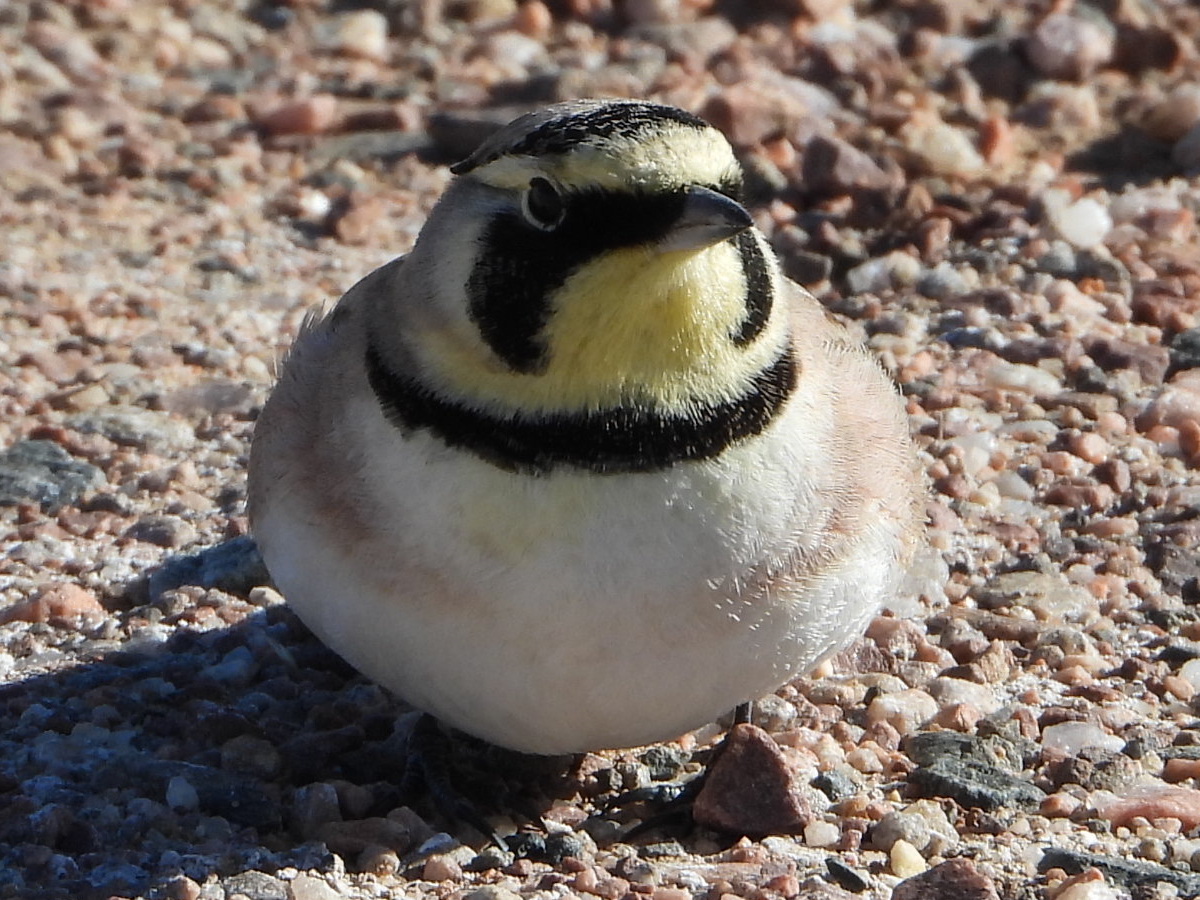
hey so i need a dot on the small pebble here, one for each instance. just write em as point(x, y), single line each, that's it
point(884, 273)
point(311, 115)
point(821, 834)
point(363, 32)
point(905, 860)
point(1068, 47)
point(1082, 223)
point(1177, 770)
point(441, 867)
point(1059, 805)
point(1072, 737)
point(1176, 114)
point(310, 887)
point(905, 710)
point(942, 149)
point(1092, 889)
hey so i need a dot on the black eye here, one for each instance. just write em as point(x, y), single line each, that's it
point(542, 204)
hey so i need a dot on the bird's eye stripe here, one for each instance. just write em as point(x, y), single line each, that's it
point(521, 264)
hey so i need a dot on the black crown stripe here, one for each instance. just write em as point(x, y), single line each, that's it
point(563, 133)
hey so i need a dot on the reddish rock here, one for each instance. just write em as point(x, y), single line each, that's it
point(534, 19)
point(996, 141)
point(1148, 360)
point(748, 789)
point(1080, 495)
point(1189, 443)
point(1114, 473)
point(1175, 405)
point(955, 879)
point(1165, 311)
point(862, 656)
point(311, 115)
point(358, 218)
point(1155, 802)
point(215, 108)
point(832, 166)
point(58, 604)
point(1153, 47)
point(754, 111)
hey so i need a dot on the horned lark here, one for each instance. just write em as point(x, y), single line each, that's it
point(584, 470)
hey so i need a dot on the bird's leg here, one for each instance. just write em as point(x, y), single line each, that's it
point(743, 712)
point(425, 766)
point(679, 797)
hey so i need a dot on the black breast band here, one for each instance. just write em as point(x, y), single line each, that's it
point(619, 439)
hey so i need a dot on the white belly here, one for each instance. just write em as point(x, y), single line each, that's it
point(575, 611)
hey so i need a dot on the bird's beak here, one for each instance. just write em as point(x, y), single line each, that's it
point(706, 219)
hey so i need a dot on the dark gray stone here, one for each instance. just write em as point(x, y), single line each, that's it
point(835, 785)
point(489, 858)
point(807, 267)
point(560, 846)
point(42, 472)
point(1094, 769)
point(234, 566)
point(551, 849)
point(928, 747)
point(456, 133)
point(1124, 872)
point(132, 426)
point(1185, 350)
point(1105, 266)
point(662, 850)
point(976, 785)
point(256, 886)
point(239, 800)
point(983, 773)
point(664, 762)
point(844, 876)
point(366, 146)
point(1058, 261)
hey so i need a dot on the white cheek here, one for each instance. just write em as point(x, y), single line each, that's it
point(443, 260)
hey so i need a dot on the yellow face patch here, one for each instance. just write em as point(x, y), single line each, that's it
point(637, 325)
point(631, 326)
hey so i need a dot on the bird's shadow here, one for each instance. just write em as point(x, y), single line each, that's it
point(144, 758)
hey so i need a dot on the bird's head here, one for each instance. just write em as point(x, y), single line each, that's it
point(593, 254)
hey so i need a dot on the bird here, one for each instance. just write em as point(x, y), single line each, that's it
point(584, 470)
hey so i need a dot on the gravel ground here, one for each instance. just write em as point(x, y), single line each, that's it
point(1001, 197)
